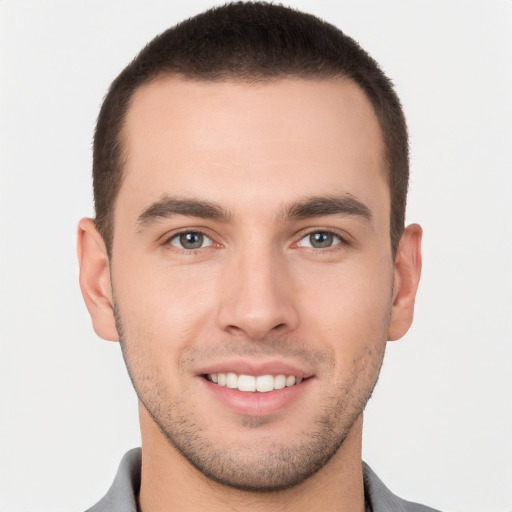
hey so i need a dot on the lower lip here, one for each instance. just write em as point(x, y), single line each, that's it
point(257, 404)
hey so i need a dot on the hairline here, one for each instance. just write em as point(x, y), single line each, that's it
point(253, 79)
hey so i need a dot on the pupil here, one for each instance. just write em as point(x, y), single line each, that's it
point(191, 240)
point(320, 240)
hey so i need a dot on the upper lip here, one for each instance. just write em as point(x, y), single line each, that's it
point(245, 367)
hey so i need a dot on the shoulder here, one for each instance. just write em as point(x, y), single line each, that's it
point(381, 499)
point(409, 506)
point(122, 495)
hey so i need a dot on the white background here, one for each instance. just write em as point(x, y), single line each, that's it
point(439, 427)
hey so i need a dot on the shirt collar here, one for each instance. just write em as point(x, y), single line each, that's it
point(122, 495)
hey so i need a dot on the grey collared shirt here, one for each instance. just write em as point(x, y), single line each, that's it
point(122, 495)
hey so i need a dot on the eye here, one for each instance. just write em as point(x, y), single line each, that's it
point(320, 240)
point(190, 240)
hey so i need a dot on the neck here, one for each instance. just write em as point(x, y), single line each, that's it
point(170, 482)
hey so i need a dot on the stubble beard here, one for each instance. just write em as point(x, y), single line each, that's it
point(271, 466)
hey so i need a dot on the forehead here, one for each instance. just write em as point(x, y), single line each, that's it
point(242, 143)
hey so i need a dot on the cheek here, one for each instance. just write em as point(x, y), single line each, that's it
point(163, 308)
point(351, 311)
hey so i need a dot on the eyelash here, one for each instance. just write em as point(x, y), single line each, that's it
point(336, 234)
point(167, 241)
point(342, 241)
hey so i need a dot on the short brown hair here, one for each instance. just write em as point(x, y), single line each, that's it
point(249, 42)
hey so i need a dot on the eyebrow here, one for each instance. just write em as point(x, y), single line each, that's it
point(315, 206)
point(320, 206)
point(168, 207)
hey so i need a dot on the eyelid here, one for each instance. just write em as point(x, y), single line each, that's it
point(343, 239)
point(177, 237)
point(165, 239)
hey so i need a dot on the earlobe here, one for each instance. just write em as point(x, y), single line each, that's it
point(95, 279)
point(406, 280)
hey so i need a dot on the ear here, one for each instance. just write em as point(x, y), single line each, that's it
point(406, 279)
point(95, 279)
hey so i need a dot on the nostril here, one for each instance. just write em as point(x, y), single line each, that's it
point(257, 318)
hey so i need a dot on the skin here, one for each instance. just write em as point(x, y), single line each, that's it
point(256, 291)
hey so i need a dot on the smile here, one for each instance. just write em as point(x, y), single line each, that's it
point(251, 383)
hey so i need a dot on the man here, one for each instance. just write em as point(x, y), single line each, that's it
point(249, 254)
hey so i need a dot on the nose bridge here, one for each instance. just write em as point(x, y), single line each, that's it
point(256, 292)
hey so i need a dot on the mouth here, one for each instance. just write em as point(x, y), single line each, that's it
point(253, 383)
point(257, 388)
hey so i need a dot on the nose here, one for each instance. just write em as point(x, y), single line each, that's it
point(257, 295)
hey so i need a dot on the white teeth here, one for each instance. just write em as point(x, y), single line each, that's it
point(231, 380)
point(246, 383)
point(279, 381)
point(265, 383)
point(249, 383)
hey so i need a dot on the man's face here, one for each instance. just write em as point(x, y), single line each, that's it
point(251, 245)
